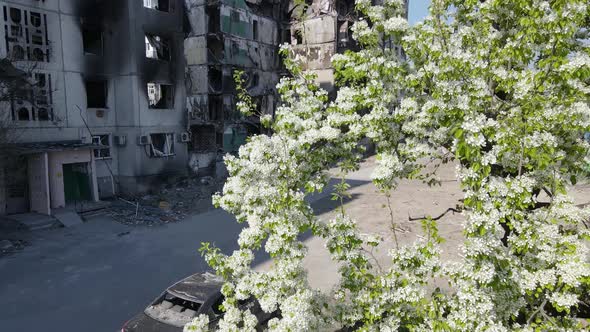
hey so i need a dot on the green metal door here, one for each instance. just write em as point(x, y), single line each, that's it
point(76, 183)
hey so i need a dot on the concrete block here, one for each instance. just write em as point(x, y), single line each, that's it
point(68, 218)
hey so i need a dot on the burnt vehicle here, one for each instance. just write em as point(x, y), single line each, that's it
point(180, 303)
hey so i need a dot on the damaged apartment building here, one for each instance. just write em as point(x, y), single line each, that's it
point(107, 112)
point(228, 35)
point(130, 93)
point(244, 35)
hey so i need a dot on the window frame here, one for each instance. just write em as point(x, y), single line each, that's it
point(97, 139)
point(168, 96)
point(146, 4)
point(91, 29)
point(106, 92)
point(168, 146)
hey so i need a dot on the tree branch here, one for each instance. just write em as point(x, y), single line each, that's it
point(458, 210)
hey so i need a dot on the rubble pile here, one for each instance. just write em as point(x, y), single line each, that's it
point(171, 203)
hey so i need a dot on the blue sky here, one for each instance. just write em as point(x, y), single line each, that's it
point(418, 10)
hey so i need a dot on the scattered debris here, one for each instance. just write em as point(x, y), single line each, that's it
point(206, 180)
point(171, 203)
point(8, 247)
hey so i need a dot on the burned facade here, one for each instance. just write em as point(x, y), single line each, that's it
point(227, 36)
point(244, 35)
point(107, 113)
point(128, 93)
point(317, 31)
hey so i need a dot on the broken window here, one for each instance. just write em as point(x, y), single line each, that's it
point(161, 5)
point(255, 80)
point(215, 79)
point(92, 40)
point(203, 138)
point(161, 145)
point(215, 108)
point(343, 37)
point(285, 35)
point(255, 30)
point(104, 152)
point(96, 94)
point(173, 310)
point(215, 49)
point(296, 37)
point(214, 19)
point(157, 47)
point(160, 96)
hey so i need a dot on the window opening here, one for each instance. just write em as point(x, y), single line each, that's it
point(203, 138)
point(215, 108)
point(296, 37)
point(255, 30)
point(15, 15)
point(215, 79)
point(35, 19)
point(235, 16)
point(157, 47)
point(162, 145)
point(160, 96)
point(16, 30)
point(105, 142)
point(38, 55)
point(161, 5)
point(18, 53)
point(37, 39)
point(214, 19)
point(92, 41)
point(23, 114)
point(235, 48)
point(43, 114)
point(96, 94)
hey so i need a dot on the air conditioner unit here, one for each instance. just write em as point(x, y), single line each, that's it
point(86, 139)
point(121, 140)
point(144, 140)
point(184, 137)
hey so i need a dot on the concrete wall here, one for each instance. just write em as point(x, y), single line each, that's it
point(38, 168)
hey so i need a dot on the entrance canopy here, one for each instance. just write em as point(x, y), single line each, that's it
point(39, 147)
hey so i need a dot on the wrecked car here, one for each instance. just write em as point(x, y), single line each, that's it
point(180, 303)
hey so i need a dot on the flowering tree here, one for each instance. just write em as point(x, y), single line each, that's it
point(499, 87)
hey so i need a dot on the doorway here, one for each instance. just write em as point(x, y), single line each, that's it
point(17, 186)
point(76, 182)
